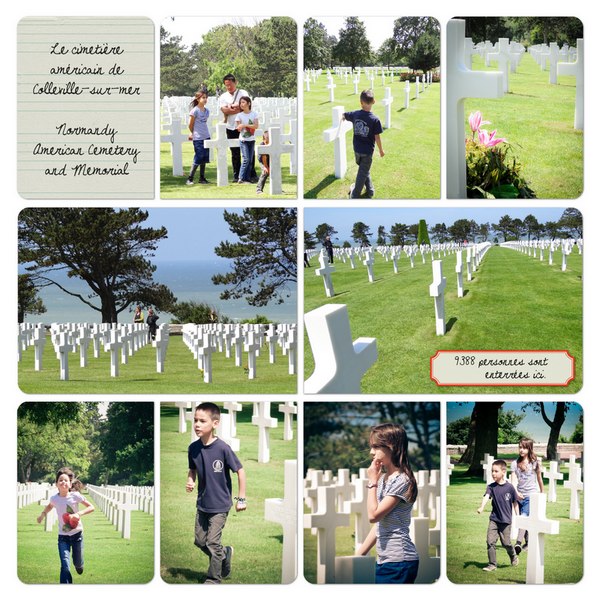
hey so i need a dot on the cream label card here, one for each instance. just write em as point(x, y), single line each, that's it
point(85, 94)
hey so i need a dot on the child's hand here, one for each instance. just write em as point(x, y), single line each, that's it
point(479, 510)
point(381, 153)
point(374, 470)
point(190, 138)
point(520, 496)
point(41, 518)
point(240, 505)
point(189, 486)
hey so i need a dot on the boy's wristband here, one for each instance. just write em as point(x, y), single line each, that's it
point(242, 500)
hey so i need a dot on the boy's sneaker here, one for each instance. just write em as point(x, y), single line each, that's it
point(515, 561)
point(189, 182)
point(490, 568)
point(79, 570)
point(226, 565)
point(259, 191)
point(351, 191)
point(518, 548)
point(203, 181)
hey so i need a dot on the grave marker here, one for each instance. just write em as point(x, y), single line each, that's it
point(436, 291)
point(337, 134)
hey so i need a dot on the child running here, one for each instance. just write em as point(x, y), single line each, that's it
point(70, 527)
point(392, 491)
point(198, 127)
point(527, 468)
point(210, 460)
point(504, 499)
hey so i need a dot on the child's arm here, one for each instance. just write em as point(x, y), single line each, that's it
point(191, 124)
point(252, 127)
point(540, 481)
point(89, 508)
point(379, 145)
point(483, 503)
point(191, 480)
point(264, 160)
point(46, 510)
point(241, 498)
point(368, 543)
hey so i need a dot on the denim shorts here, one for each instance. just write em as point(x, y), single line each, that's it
point(397, 572)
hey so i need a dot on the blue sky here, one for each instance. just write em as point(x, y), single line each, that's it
point(343, 218)
point(532, 424)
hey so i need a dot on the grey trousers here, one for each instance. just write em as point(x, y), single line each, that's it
point(363, 176)
point(208, 530)
point(495, 531)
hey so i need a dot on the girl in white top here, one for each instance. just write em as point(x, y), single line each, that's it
point(70, 528)
point(246, 123)
point(392, 491)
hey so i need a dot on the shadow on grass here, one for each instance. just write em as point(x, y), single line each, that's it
point(401, 109)
point(450, 324)
point(341, 293)
point(465, 293)
point(473, 563)
point(322, 185)
point(187, 574)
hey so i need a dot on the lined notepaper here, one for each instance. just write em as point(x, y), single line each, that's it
point(85, 95)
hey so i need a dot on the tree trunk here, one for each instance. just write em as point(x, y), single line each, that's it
point(486, 434)
point(555, 427)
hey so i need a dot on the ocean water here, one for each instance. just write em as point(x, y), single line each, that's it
point(187, 279)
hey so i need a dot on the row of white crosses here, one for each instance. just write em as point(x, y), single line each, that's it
point(261, 418)
point(531, 248)
point(277, 115)
point(121, 340)
point(31, 492)
point(117, 504)
point(338, 501)
point(204, 340)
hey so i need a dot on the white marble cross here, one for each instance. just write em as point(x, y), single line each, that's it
point(284, 511)
point(275, 149)
point(357, 506)
point(337, 134)
point(407, 94)
point(552, 474)
point(251, 346)
point(39, 341)
point(176, 138)
point(462, 83)
point(574, 484)
point(114, 346)
point(538, 525)
point(449, 468)
point(459, 274)
point(436, 291)
point(355, 569)
point(368, 262)
point(289, 409)
point(221, 144)
point(576, 69)
point(487, 468)
point(326, 520)
point(387, 101)
point(331, 87)
point(340, 363)
point(429, 566)
point(325, 271)
point(264, 422)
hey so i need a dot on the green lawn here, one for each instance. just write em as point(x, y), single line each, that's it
point(537, 119)
point(466, 535)
point(108, 558)
point(514, 302)
point(411, 165)
point(139, 376)
point(257, 542)
point(175, 187)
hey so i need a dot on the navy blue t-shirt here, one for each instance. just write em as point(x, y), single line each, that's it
point(503, 496)
point(366, 127)
point(213, 465)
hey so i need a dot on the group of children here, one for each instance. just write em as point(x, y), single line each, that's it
point(246, 124)
point(506, 499)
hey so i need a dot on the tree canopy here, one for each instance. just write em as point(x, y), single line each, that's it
point(262, 57)
point(418, 41)
point(318, 45)
point(29, 303)
point(353, 48)
point(264, 258)
point(106, 248)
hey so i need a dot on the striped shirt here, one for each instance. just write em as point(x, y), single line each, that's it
point(527, 479)
point(393, 539)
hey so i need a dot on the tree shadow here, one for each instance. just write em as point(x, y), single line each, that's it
point(450, 324)
point(322, 185)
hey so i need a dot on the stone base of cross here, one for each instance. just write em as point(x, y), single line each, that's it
point(340, 363)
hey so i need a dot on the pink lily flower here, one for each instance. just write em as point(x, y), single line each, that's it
point(476, 121)
point(489, 140)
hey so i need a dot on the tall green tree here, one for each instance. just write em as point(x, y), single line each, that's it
point(440, 233)
point(382, 235)
point(264, 258)
point(310, 242)
point(108, 249)
point(460, 230)
point(192, 311)
point(388, 55)
point(418, 41)
point(423, 235)
point(353, 48)
point(317, 45)
point(398, 234)
point(28, 302)
point(571, 222)
point(504, 226)
point(178, 72)
point(361, 233)
point(323, 230)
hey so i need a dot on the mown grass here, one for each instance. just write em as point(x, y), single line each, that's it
point(411, 165)
point(466, 537)
point(108, 558)
point(139, 376)
point(257, 542)
point(537, 119)
point(514, 302)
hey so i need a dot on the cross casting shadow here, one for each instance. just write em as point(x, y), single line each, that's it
point(401, 109)
point(187, 574)
point(450, 324)
point(341, 293)
point(326, 102)
point(322, 185)
point(465, 293)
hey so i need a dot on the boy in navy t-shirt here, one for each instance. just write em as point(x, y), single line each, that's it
point(367, 130)
point(211, 460)
point(504, 499)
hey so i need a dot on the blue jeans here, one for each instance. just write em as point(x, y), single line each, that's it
point(363, 176)
point(523, 510)
point(397, 572)
point(66, 543)
point(247, 149)
point(201, 154)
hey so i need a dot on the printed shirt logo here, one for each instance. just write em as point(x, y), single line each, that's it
point(361, 128)
point(218, 466)
point(508, 496)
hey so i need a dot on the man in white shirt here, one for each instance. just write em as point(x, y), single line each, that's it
point(229, 104)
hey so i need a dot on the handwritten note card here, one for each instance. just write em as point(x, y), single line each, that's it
point(85, 91)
